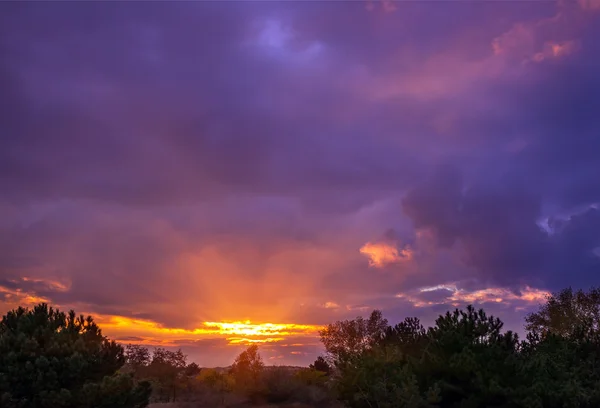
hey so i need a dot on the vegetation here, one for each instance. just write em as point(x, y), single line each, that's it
point(52, 359)
point(466, 359)
point(321, 365)
point(166, 370)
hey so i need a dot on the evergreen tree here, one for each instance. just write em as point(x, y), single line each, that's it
point(52, 359)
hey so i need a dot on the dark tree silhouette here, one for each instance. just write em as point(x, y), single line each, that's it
point(247, 370)
point(167, 369)
point(567, 313)
point(321, 365)
point(192, 370)
point(52, 359)
point(348, 338)
point(137, 356)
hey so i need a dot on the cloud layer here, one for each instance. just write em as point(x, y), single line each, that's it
point(165, 165)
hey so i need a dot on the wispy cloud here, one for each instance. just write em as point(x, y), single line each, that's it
point(453, 295)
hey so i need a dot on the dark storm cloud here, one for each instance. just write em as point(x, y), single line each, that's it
point(181, 162)
point(151, 108)
point(496, 228)
point(494, 216)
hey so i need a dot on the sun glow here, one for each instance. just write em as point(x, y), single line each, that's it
point(234, 333)
point(259, 329)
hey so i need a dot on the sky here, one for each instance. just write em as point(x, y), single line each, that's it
point(208, 175)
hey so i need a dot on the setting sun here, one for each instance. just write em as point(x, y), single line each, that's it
point(235, 333)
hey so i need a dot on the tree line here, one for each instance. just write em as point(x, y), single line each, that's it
point(49, 358)
point(248, 377)
point(466, 359)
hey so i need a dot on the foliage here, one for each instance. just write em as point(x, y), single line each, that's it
point(567, 314)
point(114, 392)
point(467, 360)
point(217, 382)
point(348, 338)
point(52, 359)
point(279, 385)
point(311, 376)
point(192, 370)
point(321, 365)
point(166, 369)
point(283, 384)
point(272, 384)
point(381, 378)
point(470, 359)
point(137, 359)
point(562, 353)
point(247, 370)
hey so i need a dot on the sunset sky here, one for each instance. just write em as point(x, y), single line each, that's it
point(207, 175)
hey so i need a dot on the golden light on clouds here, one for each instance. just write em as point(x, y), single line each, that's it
point(331, 305)
point(382, 254)
point(234, 333)
point(14, 297)
point(456, 296)
point(499, 295)
point(248, 328)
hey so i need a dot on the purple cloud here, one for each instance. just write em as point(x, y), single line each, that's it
point(192, 162)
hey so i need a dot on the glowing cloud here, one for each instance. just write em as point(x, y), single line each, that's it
point(258, 329)
point(14, 297)
point(555, 50)
point(382, 254)
point(457, 296)
point(498, 295)
point(235, 333)
point(331, 305)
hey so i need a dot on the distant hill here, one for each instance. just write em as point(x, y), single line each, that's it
point(269, 367)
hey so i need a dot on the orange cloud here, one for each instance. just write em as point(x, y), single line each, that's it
point(53, 285)
point(382, 254)
point(16, 297)
point(258, 329)
point(235, 333)
point(13, 298)
point(331, 305)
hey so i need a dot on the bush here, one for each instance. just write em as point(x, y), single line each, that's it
point(216, 385)
point(279, 385)
point(282, 385)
